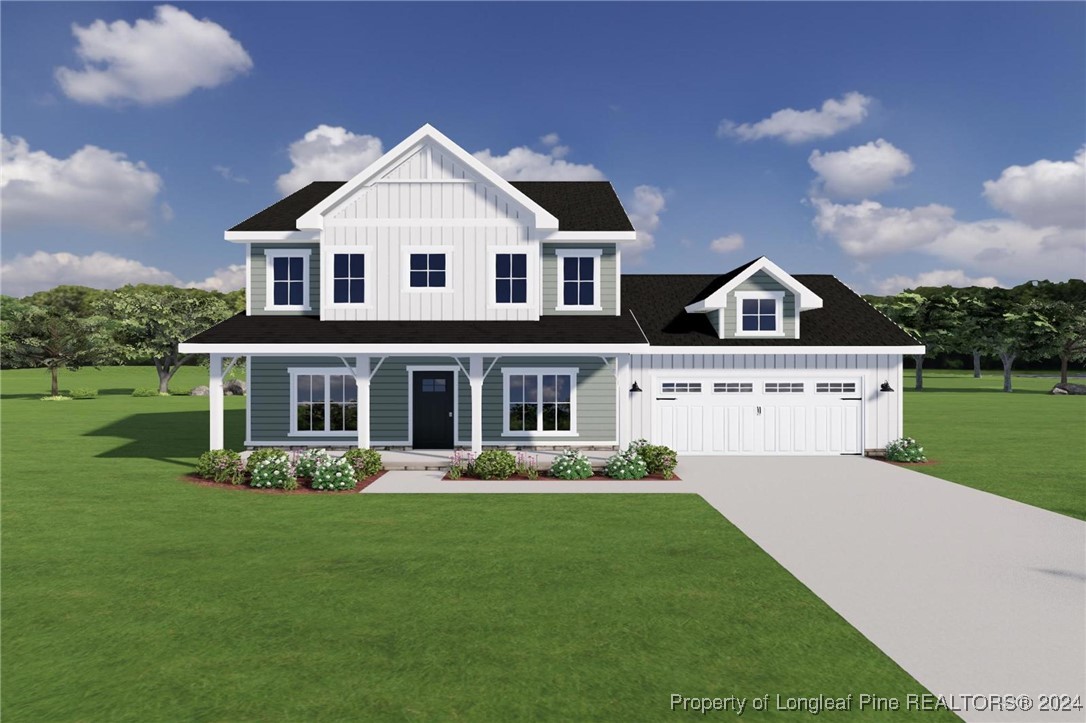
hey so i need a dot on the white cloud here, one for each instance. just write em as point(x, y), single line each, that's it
point(228, 174)
point(938, 277)
point(328, 153)
point(800, 126)
point(1045, 193)
point(42, 270)
point(551, 139)
point(151, 61)
point(524, 164)
point(861, 171)
point(727, 244)
point(93, 188)
point(868, 228)
point(644, 209)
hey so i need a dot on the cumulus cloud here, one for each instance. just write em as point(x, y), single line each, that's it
point(727, 244)
point(151, 61)
point(93, 188)
point(228, 174)
point(859, 172)
point(524, 164)
point(42, 270)
point(644, 209)
point(938, 277)
point(800, 126)
point(868, 229)
point(328, 153)
point(1045, 193)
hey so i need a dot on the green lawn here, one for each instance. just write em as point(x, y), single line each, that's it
point(1028, 445)
point(129, 595)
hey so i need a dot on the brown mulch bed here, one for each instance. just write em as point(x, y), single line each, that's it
point(547, 478)
point(929, 463)
point(303, 489)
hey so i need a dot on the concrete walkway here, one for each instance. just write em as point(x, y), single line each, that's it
point(972, 594)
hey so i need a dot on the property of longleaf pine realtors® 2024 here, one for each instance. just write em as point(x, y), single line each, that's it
point(867, 702)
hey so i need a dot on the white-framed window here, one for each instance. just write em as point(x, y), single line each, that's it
point(579, 279)
point(733, 387)
point(759, 313)
point(287, 279)
point(509, 277)
point(427, 269)
point(784, 387)
point(835, 388)
point(348, 276)
point(323, 402)
point(539, 402)
point(680, 387)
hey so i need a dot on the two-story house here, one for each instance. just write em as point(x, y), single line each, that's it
point(429, 303)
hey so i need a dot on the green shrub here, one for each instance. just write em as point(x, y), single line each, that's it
point(495, 464)
point(84, 393)
point(658, 458)
point(626, 465)
point(306, 463)
point(147, 392)
point(571, 465)
point(905, 449)
point(333, 473)
point(221, 465)
point(181, 392)
point(366, 462)
point(271, 468)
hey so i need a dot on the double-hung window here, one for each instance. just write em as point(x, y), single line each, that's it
point(540, 402)
point(579, 279)
point(759, 313)
point(288, 279)
point(323, 401)
point(427, 271)
point(348, 278)
point(511, 278)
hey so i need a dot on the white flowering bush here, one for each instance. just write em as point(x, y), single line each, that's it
point(626, 465)
point(571, 465)
point(333, 474)
point(271, 468)
point(306, 463)
point(905, 449)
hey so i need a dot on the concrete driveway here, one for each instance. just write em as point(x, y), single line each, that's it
point(972, 594)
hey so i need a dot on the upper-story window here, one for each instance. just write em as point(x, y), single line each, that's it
point(288, 279)
point(511, 278)
point(578, 278)
point(427, 270)
point(345, 276)
point(759, 313)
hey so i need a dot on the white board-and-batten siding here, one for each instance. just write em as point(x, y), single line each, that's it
point(882, 411)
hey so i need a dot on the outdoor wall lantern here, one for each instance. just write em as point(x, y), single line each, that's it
point(635, 388)
point(886, 387)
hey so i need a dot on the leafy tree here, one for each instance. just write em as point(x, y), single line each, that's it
point(149, 322)
point(79, 301)
point(1060, 329)
point(931, 320)
point(236, 300)
point(36, 336)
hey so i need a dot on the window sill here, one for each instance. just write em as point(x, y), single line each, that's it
point(578, 308)
point(348, 306)
point(757, 334)
point(427, 290)
point(288, 308)
point(569, 433)
point(352, 433)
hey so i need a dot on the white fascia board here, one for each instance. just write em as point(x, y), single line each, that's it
point(806, 298)
point(250, 237)
point(591, 237)
point(314, 217)
point(730, 350)
point(244, 349)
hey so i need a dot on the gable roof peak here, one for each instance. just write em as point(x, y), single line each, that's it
point(718, 298)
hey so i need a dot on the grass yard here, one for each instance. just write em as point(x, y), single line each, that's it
point(1027, 445)
point(131, 596)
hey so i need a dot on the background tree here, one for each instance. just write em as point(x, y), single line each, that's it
point(37, 336)
point(78, 301)
point(930, 320)
point(1060, 329)
point(149, 322)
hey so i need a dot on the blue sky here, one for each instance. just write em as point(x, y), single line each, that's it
point(933, 142)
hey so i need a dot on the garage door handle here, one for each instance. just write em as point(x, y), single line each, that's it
point(851, 399)
point(665, 399)
point(759, 410)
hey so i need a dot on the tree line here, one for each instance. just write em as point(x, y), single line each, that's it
point(70, 327)
point(1034, 320)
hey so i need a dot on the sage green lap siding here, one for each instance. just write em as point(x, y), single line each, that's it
point(258, 269)
point(605, 287)
point(761, 281)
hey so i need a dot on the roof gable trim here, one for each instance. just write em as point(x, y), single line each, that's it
point(805, 298)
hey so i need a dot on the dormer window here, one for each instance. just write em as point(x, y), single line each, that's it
point(759, 313)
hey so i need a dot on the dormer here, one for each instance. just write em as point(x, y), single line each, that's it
point(757, 301)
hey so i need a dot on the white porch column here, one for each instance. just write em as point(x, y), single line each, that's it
point(214, 397)
point(362, 381)
point(624, 402)
point(475, 379)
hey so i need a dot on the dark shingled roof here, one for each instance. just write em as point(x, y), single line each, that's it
point(578, 205)
point(242, 329)
point(845, 319)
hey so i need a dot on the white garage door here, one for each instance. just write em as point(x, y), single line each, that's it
point(778, 415)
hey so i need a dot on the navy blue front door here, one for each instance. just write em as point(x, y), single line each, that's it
point(432, 410)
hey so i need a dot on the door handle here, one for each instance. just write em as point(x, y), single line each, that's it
point(450, 415)
point(759, 410)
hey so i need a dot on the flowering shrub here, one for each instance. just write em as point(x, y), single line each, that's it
point(270, 468)
point(527, 466)
point(221, 465)
point(495, 464)
point(905, 449)
point(659, 459)
point(571, 465)
point(366, 462)
point(332, 474)
point(306, 463)
point(458, 465)
point(626, 465)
